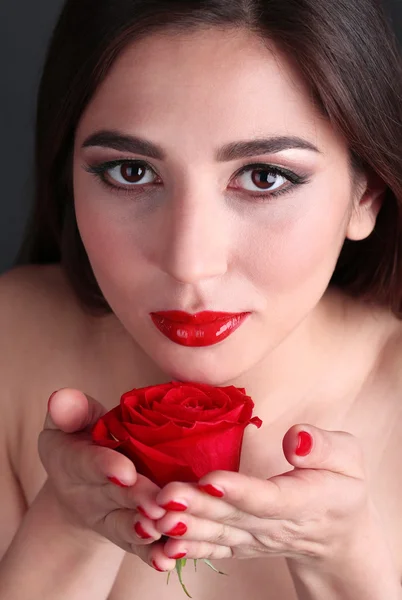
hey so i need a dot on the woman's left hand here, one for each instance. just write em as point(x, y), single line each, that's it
point(308, 513)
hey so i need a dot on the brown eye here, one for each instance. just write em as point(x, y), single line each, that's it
point(263, 179)
point(131, 173)
point(260, 179)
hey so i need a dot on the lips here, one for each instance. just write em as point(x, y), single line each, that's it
point(207, 316)
point(202, 329)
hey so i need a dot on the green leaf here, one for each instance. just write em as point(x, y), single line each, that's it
point(179, 566)
point(207, 562)
point(181, 563)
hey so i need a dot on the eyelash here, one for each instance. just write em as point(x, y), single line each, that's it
point(100, 170)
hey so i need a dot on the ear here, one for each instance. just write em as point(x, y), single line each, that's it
point(366, 206)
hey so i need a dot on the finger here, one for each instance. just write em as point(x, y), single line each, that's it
point(129, 529)
point(76, 455)
point(141, 496)
point(73, 456)
point(188, 527)
point(190, 549)
point(65, 444)
point(244, 500)
point(336, 451)
point(155, 557)
point(71, 410)
point(178, 497)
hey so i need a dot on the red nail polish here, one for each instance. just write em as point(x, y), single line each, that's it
point(179, 529)
point(117, 482)
point(305, 444)
point(212, 490)
point(142, 511)
point(48, 402)
point(140, 531)
point(179, 555)
point(172, 505)
point(156, 567)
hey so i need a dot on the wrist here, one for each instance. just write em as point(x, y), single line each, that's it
point(361, 566)
point(51, 557)
point(74, 531)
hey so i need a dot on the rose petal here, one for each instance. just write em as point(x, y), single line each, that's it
point(158, 467)
point(178, 430)
point(208, 451)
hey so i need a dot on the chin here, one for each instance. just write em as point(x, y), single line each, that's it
point(216, 374)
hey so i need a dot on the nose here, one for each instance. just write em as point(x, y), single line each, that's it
point(196, 240)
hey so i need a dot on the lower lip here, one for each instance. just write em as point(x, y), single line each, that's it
point(206, 334)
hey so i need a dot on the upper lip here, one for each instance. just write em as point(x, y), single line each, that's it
point(206, 316)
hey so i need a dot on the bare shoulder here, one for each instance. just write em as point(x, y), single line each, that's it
point(29, 298)
point(37, 305)
point(387, 422)
point(390, 365)
point(388, 384)
point(40, 322)
point(31, 288)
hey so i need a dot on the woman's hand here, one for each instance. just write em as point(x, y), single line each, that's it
point(79, 471)
point(309, 513)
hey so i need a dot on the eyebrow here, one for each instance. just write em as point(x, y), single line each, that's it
point(229, 152)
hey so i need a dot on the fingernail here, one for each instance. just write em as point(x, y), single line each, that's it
point(142, 511)
point(212, 490)
point(179, 529)
point(305, 444)
point(179, 555)
point(48, 402)
point(172, 505)
point(156, 566)
point(140, 531)
point(117, 482)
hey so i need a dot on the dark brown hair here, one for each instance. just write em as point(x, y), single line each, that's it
point(345, 49)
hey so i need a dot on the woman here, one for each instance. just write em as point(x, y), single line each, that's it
point(241, 157)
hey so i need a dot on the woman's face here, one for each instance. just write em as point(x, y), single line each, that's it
point(211, 216)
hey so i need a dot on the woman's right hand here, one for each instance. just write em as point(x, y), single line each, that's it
point(78, 472)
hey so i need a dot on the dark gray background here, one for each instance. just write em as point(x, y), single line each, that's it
point(25, 27)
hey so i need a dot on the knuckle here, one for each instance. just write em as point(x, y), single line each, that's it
point(233, 517)
point(206, 550)
point(266, 511)
point(173, 488)
point(221, 536)
point(283, 537)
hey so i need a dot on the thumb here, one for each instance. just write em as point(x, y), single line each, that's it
point(71, 410)
point(308, 447)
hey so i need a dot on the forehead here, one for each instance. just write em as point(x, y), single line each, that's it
point(215, 84)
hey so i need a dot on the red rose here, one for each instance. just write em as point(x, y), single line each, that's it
point(178, 431)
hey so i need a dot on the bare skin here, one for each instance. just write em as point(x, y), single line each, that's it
point(94, 357)
point(322, 359)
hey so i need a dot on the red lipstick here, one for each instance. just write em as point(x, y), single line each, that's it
point(201, 329)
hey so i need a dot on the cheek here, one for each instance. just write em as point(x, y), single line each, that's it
point(107, 229)
point(300, 249)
